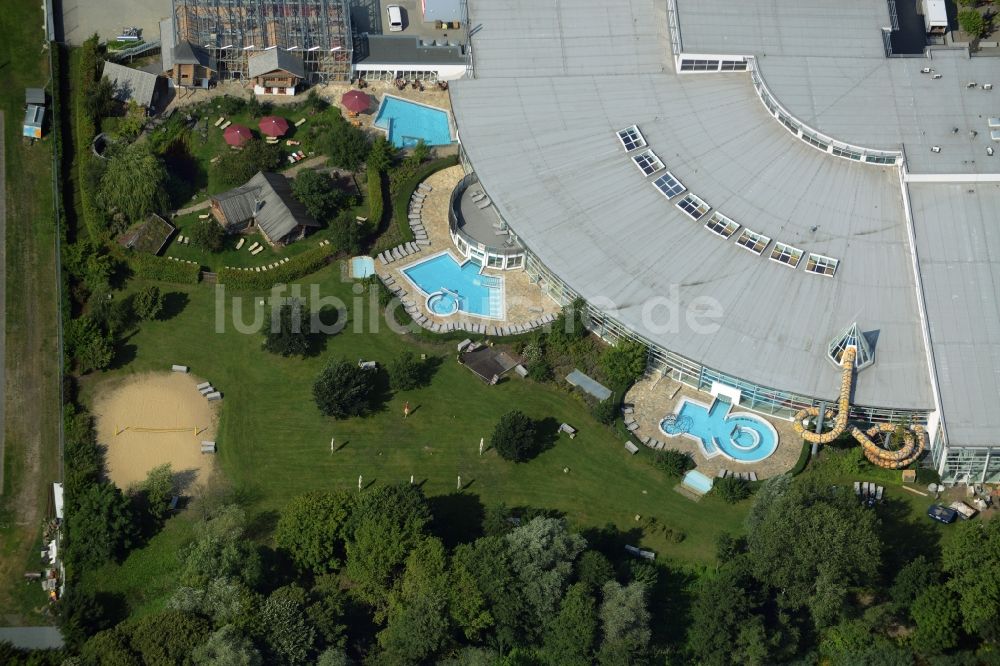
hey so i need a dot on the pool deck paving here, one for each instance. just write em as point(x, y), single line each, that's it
point(524, 300)
point(655, 396)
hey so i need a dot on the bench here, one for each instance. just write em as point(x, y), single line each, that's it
point(644, 554)
point(568, 429)
point(521, 370)
point(179, 368)
point(207, 447)
point(631, 448)
point(367, 365)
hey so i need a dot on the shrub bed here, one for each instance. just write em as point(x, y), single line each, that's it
point(308, 262)
point(405, 191)
point(85, 129)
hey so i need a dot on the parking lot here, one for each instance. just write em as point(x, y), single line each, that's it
point(370, 16)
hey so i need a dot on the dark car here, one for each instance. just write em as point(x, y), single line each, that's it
point(942, 514)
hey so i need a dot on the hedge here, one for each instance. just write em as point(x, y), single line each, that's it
point(152, 267)
point(297, 267)
point(84, 130)
point(401, 204)
point(376, 206)
point(804, 455)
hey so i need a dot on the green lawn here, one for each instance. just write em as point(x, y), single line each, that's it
point(274, 444)
point(31, 454)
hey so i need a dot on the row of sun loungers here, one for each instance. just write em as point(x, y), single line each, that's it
point(415, 214)
point(258, 269)
point(868, 490)
point(398, 252)
point(207, 390)
point(729, 474)
point(296, 157)
point(183, 240)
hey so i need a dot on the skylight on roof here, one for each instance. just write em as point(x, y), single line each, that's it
point(648, 162)
point(752, 241)
point(669, 186)
point(693, 206)
point(817, 263)
point(721, 225)
point(786, 254)
point(631, 138)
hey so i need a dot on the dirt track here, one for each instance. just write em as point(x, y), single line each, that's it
point(152, 419)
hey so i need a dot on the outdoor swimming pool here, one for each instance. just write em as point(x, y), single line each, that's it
point(697, 481)
point(451, 287)
point(362, 267)
point(741, 437)
point(408, 122)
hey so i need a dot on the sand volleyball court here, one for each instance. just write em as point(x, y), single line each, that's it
point(152, 419)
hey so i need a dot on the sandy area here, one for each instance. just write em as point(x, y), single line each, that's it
point(126, 412)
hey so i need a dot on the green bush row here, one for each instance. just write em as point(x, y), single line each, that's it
point(804, 455)
point(151, 267)
point(308, 262)
point(84, 130)
point(406, 189)
point(376, 206)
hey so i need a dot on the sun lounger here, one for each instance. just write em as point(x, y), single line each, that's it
point(212, 397)
point(225, 124)
point(568, 429)
point(477, 196)
point(485, 203)
point(631, 448)
point(203, 217)
point(878, 493)
point(721, 474)
point(857, 488)
point(220, 121)
point(178, 368)
point(753, 476)
point(367, 365)
point(187, 240)
point(660, 445)
point(206, 390)
point(207, 447)
point(425, 187)
point(240, 243)
point(300, 122)
point(203, 385)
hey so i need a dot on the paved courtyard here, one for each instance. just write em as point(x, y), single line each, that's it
point(82, 18)
point(656, 396)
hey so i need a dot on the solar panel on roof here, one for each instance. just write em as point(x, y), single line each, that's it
point(631, 138)
point(648, 162)
point(668, 185)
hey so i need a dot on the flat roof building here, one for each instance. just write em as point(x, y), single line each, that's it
point(735, 183)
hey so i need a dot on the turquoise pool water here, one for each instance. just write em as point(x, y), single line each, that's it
point(362, 267)
point(742, 437)
point(446, 282)
point(408, 122)
point(697, 481)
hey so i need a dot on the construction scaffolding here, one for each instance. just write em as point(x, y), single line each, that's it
point(232, 31)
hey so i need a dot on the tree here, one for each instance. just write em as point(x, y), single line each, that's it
point(100, 102)
point(100, 527)
point(570, 637)
point(221, 551)
point(343, 389)
point(810, 543)
point(133, 121)
point(514, 436)
point(594, 569)
point(283, 627)
point(318, 194)
point(88, 344)
point(938, 618)
point(226, 647)
point(132, 186)
point(81, 614)
point(238, 166)
point(418, 624)
point(287, 334)
point(223, 600)
point(345, 145)
point(488, 603)
point(624, 363)
point(147, 303)
point(731, 489)
point(541, 555)
point(380, 155)
point(916, 576)
point(971, 558)
point(624, 624)
point(109, 648)
point(570, 325)
point(208, 234)
point(385, 526)
point(405, 372)
point(157, 490)
point(313, 528)
point(971, 22)
point(674, 463)
point(346, 234)
point(167, 637)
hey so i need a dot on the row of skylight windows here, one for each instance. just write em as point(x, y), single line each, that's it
point(696, 208)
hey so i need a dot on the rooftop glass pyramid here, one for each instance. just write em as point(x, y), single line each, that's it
point(851, 337)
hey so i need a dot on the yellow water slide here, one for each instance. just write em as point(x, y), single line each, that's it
point(914, 438)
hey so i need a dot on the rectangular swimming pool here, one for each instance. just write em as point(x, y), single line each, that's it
point(408, 122)
point(697, 482)
point(451, 287)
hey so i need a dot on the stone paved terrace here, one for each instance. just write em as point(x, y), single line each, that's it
point(524, 301)
point(654, 397)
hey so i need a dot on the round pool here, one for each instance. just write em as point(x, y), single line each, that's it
point(442, 303)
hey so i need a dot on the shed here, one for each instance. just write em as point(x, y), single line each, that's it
point(150, 235)
point(132, 84)
point(34, 116)
point(488, 363)
point(34, 96)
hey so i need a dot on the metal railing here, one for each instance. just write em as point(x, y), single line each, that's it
point(135, 51)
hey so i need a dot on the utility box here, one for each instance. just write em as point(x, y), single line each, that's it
point(935, 16)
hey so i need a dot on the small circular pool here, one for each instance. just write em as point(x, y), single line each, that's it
point(443, 303)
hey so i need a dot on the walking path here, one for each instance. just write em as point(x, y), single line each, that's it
point(3, 296)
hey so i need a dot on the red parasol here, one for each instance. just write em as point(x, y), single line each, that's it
point(356, 101)
point(237, 135)
point(273, 125)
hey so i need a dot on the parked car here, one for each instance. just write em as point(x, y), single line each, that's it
point(395, 13)
point(942, 514)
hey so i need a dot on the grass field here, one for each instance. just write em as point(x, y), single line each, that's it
point(274, 443)
point(31, 453)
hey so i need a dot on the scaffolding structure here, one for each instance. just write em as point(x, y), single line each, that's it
point(234, 30)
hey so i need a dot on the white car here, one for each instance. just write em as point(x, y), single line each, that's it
point(395, 13)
